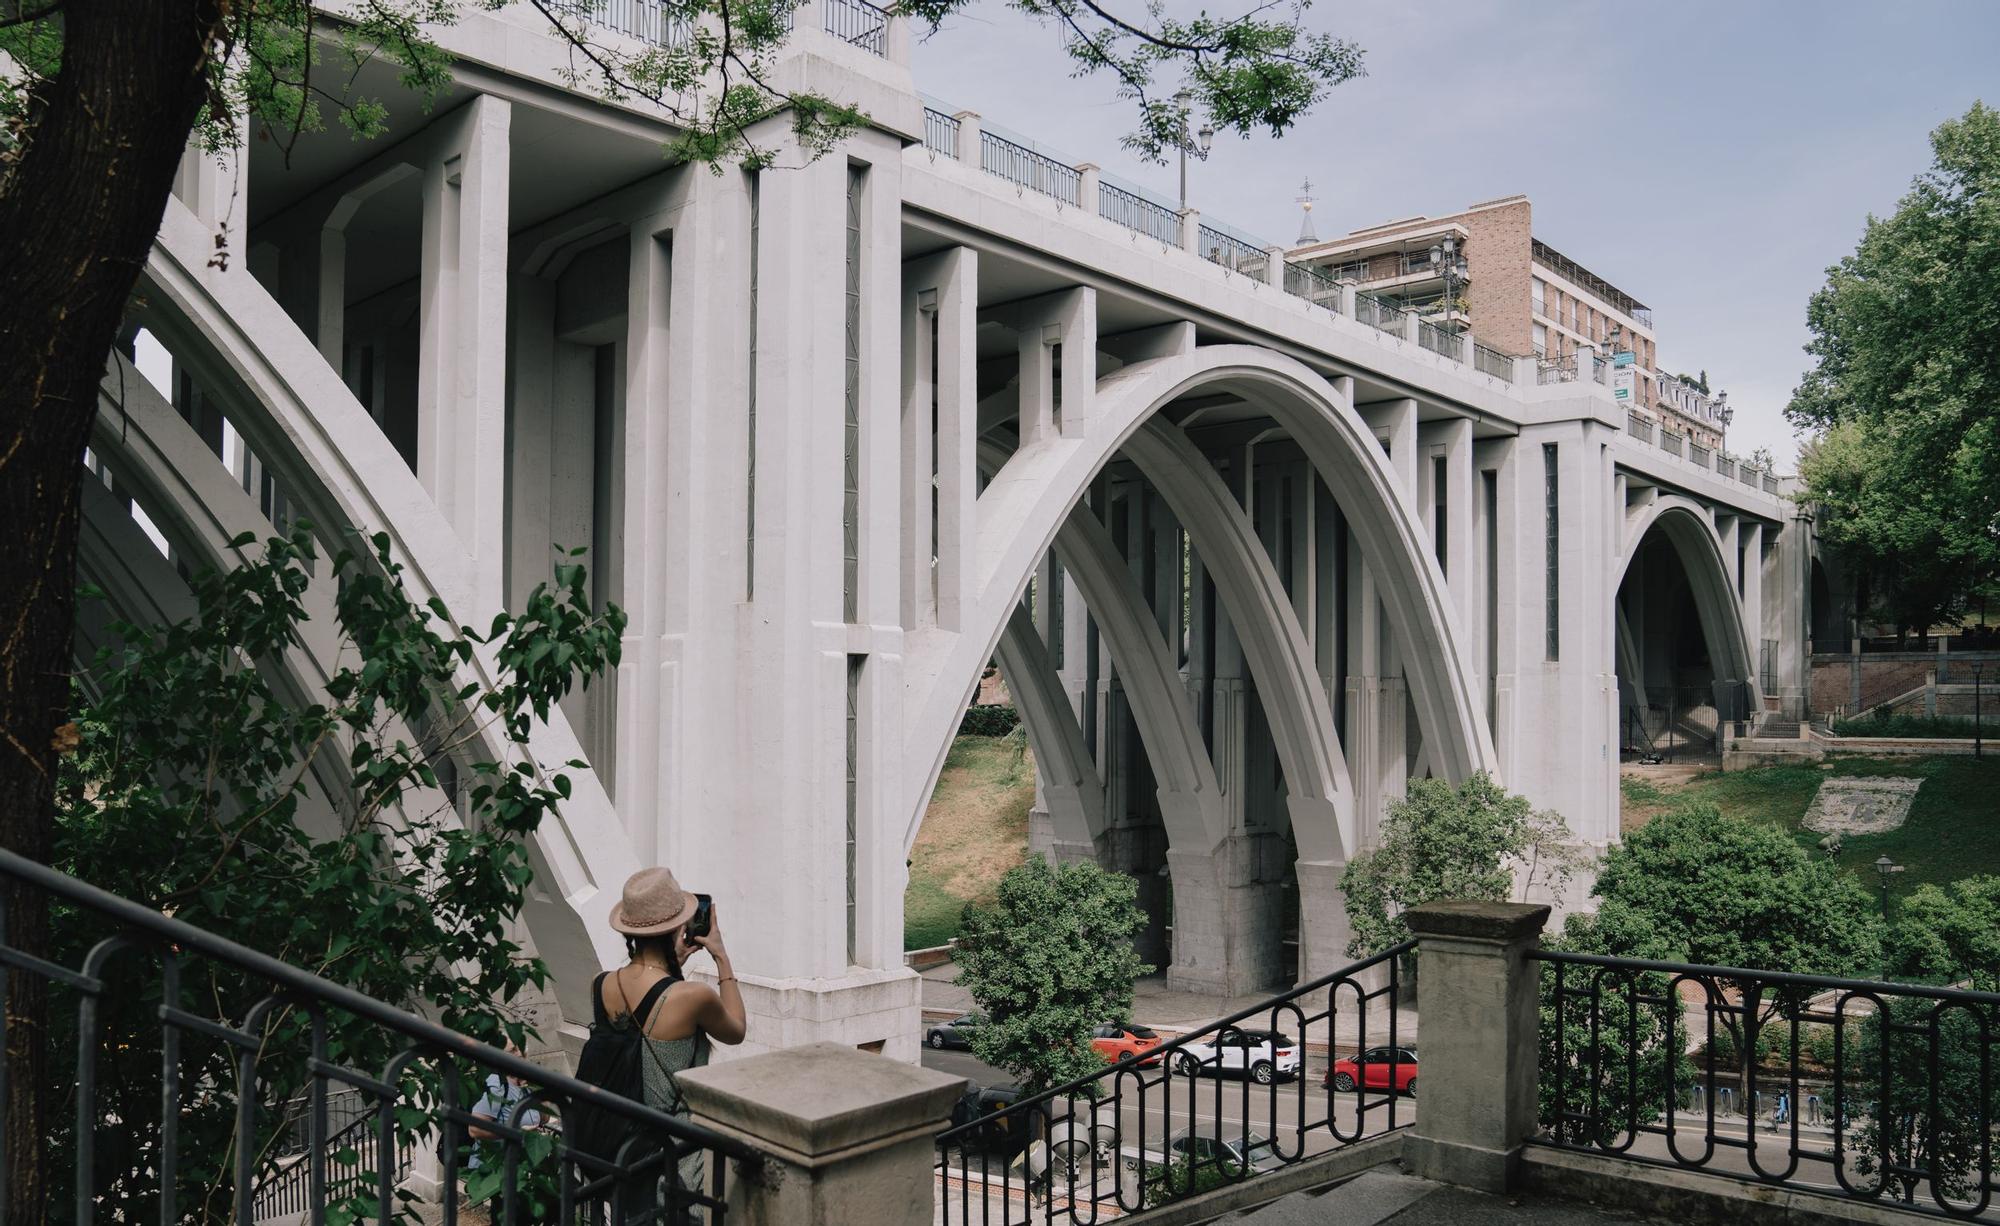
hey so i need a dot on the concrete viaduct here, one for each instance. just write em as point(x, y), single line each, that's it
point(1251, 549)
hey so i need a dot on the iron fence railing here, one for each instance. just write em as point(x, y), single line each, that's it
point(1638, 427)
point(652, 21)
point(201, 1039)
point(1555, 370)
point(1147, 1131)
point(1378, 313)
point(1233, 253)
point(1700, 454)
point(1493, 362)
point(1600, 371)
point(351, 1160)
point(1878, 1091)
point(1726, 466)
point(940, 133)
point(1305, 281)
point(1023, 167)
point(1135, 212)
point(1439, 341)
point(857, 22)
point(1671, 442)
point(1770, 483)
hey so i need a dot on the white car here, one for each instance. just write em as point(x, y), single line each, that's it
point(1263, 1055)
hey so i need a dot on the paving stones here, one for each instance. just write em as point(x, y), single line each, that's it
point(1872, 805)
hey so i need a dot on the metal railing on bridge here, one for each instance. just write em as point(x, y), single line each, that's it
point(1491, 361)
point(858, 23)
point(1305, 281)
point(1638, 427)
point(941, 133)
point(1135, 212)
point(1025, 168)
point(651, 21)
point(1700, 454)
point(1149, 1130)
point(1882, 1092)
point(192, 1053)
point(1379, 313)
point(1439, 341)
point(1233, 253)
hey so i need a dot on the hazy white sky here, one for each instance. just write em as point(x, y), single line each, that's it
point(1710, 158)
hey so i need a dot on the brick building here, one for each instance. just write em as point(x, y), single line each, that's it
point(1520, 296)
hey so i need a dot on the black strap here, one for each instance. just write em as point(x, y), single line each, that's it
point(652, 997)
point(597, 999)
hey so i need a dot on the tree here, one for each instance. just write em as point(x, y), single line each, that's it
point(1696, 886)
point(1442, 842)
point(368, 839)
point(1048, 961)
point(98, 98)
point(1906, 360)
point(1948, 935)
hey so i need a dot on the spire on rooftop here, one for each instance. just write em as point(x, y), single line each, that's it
point(1306, 232)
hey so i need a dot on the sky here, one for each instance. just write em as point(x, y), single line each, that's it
point(1709, 158)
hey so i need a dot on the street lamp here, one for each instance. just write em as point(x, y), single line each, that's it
point(1448, 263)
point(1883, 867)
point(1197, 144)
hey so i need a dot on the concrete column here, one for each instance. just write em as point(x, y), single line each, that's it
point(1394, 423)
point(1067, 318)
point(847, 1134)
point(1324, 929)
point(968, 138)
point(1377, 704)
point(461, 413)
point(939, 454)
point(1274, 266)
point(1480, 1001)
point(1227, 917)
point(1191, 230)
point(1788, 615)
point(1347, 291)
point(1410, 325)
point(1451, 441)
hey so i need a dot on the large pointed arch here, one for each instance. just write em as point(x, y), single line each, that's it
point(1688, 527)
point(1029, 498)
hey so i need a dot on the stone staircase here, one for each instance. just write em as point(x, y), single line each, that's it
point(1385, 1194)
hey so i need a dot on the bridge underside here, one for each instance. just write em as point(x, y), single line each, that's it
point(837, 436)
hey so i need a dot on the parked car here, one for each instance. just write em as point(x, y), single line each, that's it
point(1378, 1068)
point(956, 1033)
point(1227, 1147)
point(1117, 1040)
point(1263, 1055)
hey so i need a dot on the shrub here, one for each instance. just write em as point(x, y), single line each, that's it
point(1877, 723)
point(988, 720)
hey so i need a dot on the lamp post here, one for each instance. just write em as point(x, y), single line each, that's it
point(1197, 143)
point(1448, 263)
point(1883, 867)
point(1978, 742)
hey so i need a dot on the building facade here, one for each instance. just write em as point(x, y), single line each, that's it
point(1521, 296)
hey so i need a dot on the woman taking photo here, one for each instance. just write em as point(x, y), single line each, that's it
point(676, 1019)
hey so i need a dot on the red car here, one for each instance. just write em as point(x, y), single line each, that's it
point(1378, 1068)
point(1117, 1040)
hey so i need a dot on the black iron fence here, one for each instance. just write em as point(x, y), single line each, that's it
point(1875, 1091)
point(1236, 1099)
point(163, 1101)
point(857, 22)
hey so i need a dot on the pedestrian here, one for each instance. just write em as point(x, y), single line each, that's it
point(1782, 1113)
point(502, 1104)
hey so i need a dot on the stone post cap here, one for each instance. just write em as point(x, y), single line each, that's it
point(1489, 921)
point(820, 1104)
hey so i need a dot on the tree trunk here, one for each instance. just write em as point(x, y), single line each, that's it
point(78, 213)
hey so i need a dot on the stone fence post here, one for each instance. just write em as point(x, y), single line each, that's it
point(1480, 1003)
point(849, 1134)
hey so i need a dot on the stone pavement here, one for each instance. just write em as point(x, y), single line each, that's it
point(1175, 1013)
point(1385, 1195)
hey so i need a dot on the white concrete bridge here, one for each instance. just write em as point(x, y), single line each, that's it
point(1251, 549)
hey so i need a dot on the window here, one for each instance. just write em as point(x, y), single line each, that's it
point(1541, 340)
point(1569, 311)
point(851, 445)
point(1538, 294)
point(1551, 605)
point(854, 664)
point(1438, 510)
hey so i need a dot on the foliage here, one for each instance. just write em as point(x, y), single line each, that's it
point(1906, 352)
point(537, 1178)
point(378, 838)
point(1948, 935)
point(1051, 958)
point(1696, 886)
point(988, 719)
point(1597, 1076)
point(1880, 722)
point(1442, 842)
point(1182, 1178)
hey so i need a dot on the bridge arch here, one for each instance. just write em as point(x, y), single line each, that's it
point(1688, 530)
point(1030, 497)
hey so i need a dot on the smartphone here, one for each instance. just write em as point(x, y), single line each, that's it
point(698, 926)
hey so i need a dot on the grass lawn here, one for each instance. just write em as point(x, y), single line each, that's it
point(975, 829)
point(1953, 829)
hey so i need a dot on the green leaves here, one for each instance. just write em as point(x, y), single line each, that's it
point(1049, 960)
point(379, 838)
point(1442, 842)
point(1905, 386)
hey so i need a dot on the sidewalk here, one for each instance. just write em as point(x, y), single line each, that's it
point(1176, 1013)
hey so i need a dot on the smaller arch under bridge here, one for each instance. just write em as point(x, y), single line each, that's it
point(838, 435)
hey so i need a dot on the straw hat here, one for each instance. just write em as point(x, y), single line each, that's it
point(653, 903)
